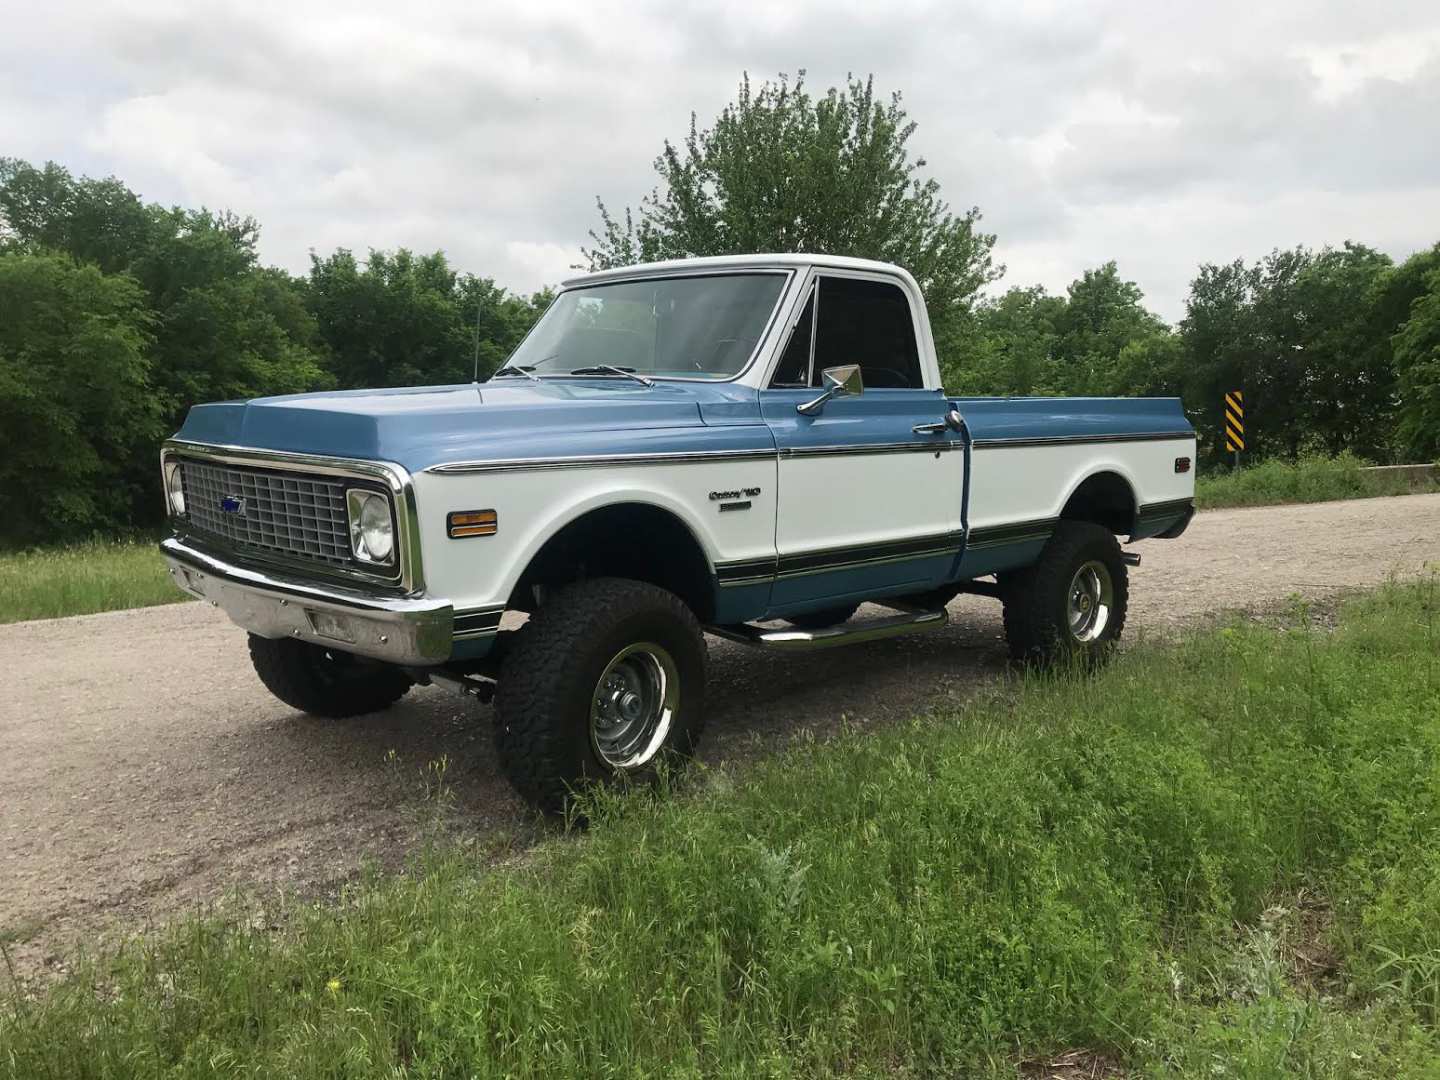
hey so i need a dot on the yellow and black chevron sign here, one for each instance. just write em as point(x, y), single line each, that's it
point(1235, 420)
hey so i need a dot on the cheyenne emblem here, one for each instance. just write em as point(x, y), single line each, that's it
point(743, 493)
point(232, 504)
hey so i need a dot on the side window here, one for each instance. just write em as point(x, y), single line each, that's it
point(867, 323)
point(794, 367)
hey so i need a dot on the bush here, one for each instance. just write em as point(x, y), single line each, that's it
point(1312, 478)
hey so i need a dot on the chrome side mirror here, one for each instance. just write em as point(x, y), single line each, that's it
point(839, 382)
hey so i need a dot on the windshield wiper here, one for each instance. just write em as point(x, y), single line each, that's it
point(611, 369)
point(516, 369)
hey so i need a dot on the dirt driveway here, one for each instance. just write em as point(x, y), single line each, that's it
point(145, 770)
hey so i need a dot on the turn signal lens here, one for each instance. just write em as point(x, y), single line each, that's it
point(460, 523)
point(1182, 464)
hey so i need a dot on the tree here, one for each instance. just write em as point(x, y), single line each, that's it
point(1097, 339)
point(1012, 350)
point(1417, 358)
point(402, 319)
point(223, 327)
point(75, 403)
point(780, 170)
point(1102, 317)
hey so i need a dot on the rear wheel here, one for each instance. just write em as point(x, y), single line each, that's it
point(1071, 603)
point(325, 682)
point(607, 680)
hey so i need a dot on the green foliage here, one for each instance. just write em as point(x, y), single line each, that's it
point(1309, 478)
point(203, 321)
point(783, 171)
point(83, 578)
point(1306, 337)
point(402, 319)
point(1417, 355)
point(1097, 339)
point(1070, 862)
point(75, 401)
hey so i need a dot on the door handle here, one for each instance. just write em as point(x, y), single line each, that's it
point(953, 421)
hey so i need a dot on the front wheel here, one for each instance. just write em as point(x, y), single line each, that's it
point(325, 682)
point(606, 680)
point(1070, 605)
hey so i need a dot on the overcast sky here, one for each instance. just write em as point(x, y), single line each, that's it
point(1155, 134)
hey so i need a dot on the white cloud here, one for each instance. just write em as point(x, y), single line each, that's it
point(1154, 134)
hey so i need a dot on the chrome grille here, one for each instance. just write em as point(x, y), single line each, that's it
point(286, 513)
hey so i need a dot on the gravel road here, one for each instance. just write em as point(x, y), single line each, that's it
point(145, 770)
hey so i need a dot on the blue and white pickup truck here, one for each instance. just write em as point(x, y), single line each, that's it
point(748, 446)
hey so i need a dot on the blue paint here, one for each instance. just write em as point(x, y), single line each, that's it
point(513, 418)
point(1045, 417)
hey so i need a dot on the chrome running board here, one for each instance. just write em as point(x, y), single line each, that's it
point(794, 639)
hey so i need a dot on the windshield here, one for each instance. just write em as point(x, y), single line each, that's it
point(698, 327)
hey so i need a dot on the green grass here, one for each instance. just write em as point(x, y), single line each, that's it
point(1115, 864)
point(98, 576)
point(1314, 478)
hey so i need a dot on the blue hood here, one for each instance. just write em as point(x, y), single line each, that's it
point(419, 427)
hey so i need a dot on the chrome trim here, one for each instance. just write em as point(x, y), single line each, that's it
point(841, 381)
point(600, 461)
point(1062, 440)
point(915, 446)
point(1014, 532)
point(410, 577)
point(828, 560)
point(845, 634)
point(401, 630)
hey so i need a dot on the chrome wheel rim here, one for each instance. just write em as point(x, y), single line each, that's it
point(634, 705)
point(1091, 598)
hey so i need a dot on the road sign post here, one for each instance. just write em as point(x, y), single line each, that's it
point(1235, 423)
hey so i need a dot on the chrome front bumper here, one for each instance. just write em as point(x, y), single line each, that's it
point(402, 630)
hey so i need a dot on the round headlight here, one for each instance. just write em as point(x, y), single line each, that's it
point(371, 531)
point(175, 488)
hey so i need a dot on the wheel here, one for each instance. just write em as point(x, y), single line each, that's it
point(1071, 603)
point(607, 679)
point(819, 620)
point(325, 682)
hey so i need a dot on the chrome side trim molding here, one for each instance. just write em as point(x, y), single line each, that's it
point(825, 560)
point(1019, 532)
point(478, 623)
point(1065, 440)
point(913, 447)
point(1158, 510)
point(394, 478)
point(600, 461)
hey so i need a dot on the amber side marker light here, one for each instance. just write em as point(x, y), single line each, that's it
point(1182, 464)
point(460, 523)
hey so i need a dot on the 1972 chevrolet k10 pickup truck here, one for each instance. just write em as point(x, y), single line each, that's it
point(705, 445)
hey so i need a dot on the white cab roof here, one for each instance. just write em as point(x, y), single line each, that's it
point(787, 261)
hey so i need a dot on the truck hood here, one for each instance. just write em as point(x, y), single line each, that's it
point(419, 427)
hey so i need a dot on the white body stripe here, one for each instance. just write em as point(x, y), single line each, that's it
point(532, 505)
point(1029, 483)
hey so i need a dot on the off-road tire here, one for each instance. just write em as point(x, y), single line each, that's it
point(819, 620)
point(549, 677)
point(1036, 598)
point(325, 682)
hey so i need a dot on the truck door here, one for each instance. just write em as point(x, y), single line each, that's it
point(869, 485)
